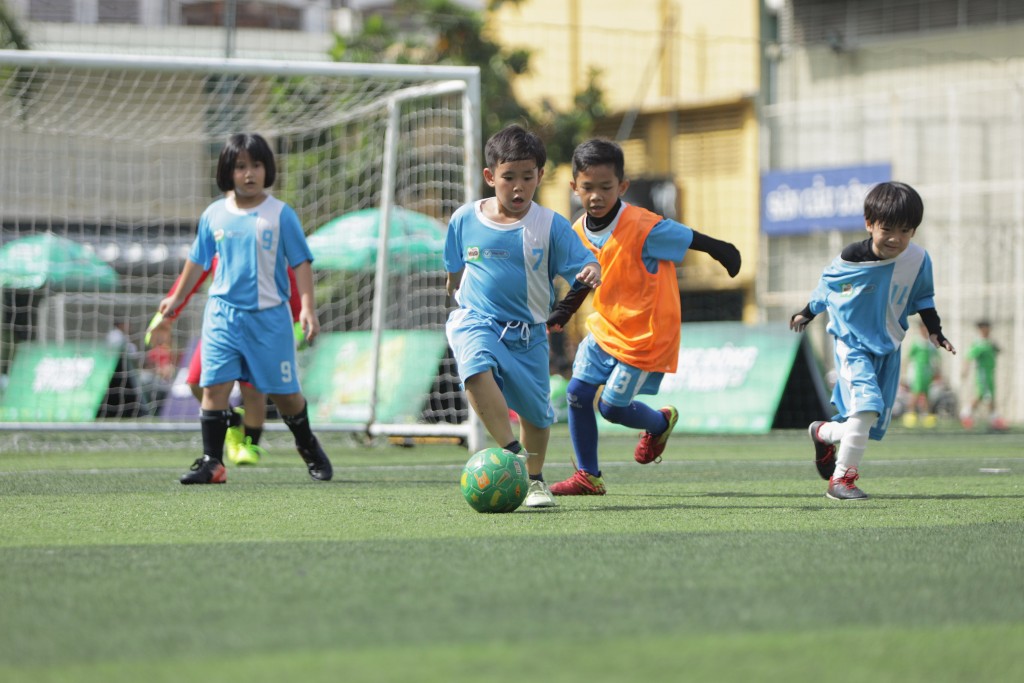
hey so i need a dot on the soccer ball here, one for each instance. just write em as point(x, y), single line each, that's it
point(495, 480)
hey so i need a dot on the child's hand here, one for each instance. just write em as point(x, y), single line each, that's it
point(590, 275)
point(167, 307)
point(798, 323)
point(729, 256)
point(310, 324)
point(940, 342)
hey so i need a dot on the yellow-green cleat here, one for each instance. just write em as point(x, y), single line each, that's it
point(247, 454)
point(234, 439)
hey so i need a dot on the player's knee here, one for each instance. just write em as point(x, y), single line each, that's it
point(579, 394)
point(612, 413)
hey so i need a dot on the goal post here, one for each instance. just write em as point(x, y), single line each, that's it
point(106, 163)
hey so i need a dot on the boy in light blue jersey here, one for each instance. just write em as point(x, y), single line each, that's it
point(247, 326)
point(868, 291)
point(502, 255)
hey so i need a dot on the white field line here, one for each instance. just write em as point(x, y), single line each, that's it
point(981, 462)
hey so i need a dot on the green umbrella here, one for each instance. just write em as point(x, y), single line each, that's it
point(348, 243)
point(48, 260)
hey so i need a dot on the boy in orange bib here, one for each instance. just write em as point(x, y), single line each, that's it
point(634, 332)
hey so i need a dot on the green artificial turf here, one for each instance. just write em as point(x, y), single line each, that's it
point(723, 563)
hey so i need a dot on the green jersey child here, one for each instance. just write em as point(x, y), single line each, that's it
point(922, 370)
point(982, 355)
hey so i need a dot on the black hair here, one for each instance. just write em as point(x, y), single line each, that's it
point(894, 205)
point(257, 149)
point(599, 152)
point(514, 143)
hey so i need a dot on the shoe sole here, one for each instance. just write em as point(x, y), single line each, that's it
point(831, 497)
point(223, 480)
point(577, 492)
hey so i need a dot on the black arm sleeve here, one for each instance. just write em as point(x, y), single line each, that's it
point(564, 309)
point(723, 252)
point(805, 313)
point(930, 318)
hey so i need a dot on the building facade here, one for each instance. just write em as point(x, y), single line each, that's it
point(681, 80)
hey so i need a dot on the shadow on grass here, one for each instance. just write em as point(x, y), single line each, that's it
point(945, 496)
point(886, 497)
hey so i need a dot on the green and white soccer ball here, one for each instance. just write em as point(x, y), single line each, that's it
point(495, 480)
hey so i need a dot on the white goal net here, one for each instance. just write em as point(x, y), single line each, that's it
point(106, 163)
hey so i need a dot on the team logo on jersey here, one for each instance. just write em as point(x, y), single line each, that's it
point(847, 289)
point(218, 235)
point(473, 254)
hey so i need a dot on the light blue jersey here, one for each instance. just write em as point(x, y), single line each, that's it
point(868, 304)
point(509, 269)
point(255, 247)
point(247, 324)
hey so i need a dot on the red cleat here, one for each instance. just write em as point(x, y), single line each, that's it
point(579, 484)
point(651, 446)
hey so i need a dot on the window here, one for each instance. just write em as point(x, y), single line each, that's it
point(247, 15)
point(118, 11)
point(52, 10)
point(842, 23)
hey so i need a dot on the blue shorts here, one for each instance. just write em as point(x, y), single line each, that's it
point(253, 346)
point(622, 382)
point(517, 354)
point(866, 382)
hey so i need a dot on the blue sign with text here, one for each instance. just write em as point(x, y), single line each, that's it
point(794, 202)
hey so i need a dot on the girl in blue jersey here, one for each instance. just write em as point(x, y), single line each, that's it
point(868, 291)
point(502, 255)
point(247, 326)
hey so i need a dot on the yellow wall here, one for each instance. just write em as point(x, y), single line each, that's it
point(652, 52)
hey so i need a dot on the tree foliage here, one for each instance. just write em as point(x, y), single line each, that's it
point(12, 37)
point(444, 32)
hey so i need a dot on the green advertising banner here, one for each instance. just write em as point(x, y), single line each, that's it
point(50, 383)
point(732, 378)
point(337, 381)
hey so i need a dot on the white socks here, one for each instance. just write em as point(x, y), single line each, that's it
point(852, 437)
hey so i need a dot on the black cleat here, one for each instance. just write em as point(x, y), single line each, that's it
point(316, 460)
point(824, 453)
point(206, 470)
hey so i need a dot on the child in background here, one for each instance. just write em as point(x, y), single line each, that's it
point(982, 356)
point(502, 255)
point(922, 360)
point(247, 326)
point(242, 443)
point(634, 332)
point(868, 291)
